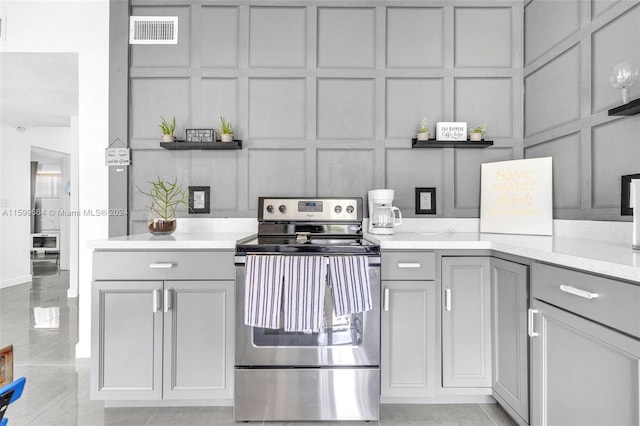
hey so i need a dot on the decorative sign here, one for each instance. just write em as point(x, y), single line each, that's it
point(201, 135)
point(451, 131)
point(517, 197)
point(117, 157)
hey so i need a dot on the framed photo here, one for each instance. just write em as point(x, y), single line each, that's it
point(201, 135)
point(451, 131)
point(6, 365)
point(425, 201)
point(625, 195)
point(199, 199)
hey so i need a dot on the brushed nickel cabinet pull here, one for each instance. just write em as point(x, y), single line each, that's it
point(578, 292)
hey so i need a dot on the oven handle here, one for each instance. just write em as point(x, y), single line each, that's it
point(242, 259)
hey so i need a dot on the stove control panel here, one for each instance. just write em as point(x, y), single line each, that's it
point(310, 209)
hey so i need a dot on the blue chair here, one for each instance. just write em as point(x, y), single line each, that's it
point(8, 394)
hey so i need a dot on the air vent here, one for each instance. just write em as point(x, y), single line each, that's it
point(153, 30)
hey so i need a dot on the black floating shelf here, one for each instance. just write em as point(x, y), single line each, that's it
point(181, 145)
point(433, 143)
point(631, 108)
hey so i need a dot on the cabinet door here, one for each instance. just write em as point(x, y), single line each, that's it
point(126, 341)
point(466, 322)
point(582, 373)
point(407, 363)
point(510, 366)
point(198, 339)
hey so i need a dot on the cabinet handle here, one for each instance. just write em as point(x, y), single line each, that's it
point(408, 265)
point(530, 313)
point(167, 299)
point(162, 265)
point(578, 292)
point(155, 301)
point(447, 299)
point(385, 304)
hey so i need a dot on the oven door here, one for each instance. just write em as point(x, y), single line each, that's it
point(351, 340)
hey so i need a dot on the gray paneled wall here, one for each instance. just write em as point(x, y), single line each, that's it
point(570, 48)
point(326, 97)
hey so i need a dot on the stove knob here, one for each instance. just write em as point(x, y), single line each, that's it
point(282, 208)
point(349, 209)
point(338, 209)
point(270, 208)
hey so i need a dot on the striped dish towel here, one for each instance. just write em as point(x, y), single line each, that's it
point(263, 291)
point(304, 283)
point(349, 279)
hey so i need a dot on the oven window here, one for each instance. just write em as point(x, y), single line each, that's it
point(335, 331)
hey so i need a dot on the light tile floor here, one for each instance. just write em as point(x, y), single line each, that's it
point(41, 322)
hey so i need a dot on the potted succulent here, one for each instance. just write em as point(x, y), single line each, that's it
point(168, 129)
point(226, 131)
point(477, 133)
point(165, 198)
point(423, 130)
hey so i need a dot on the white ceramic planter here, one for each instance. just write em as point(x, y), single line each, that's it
point(475, 136)
point(168, 138)
point(424, 136)
point(226, 138)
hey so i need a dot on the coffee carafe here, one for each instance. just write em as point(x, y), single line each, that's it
point(383, 216)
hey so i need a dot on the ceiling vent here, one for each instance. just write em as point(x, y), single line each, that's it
point(153, 30)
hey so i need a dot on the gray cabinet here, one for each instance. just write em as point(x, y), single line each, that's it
point(198, 345)
point(408, 326)
point(408, 339)
point(165, 339)
point(510, 357)
point(585, 348)
point(126, 340)
point(466, 322)
point(582, 372)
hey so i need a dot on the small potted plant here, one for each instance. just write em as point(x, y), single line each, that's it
point(423, 130)
point(168, 129)
point(165, 198)
point(477, 133)
point(226, 131)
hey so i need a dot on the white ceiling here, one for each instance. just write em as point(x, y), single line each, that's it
point(38, 89)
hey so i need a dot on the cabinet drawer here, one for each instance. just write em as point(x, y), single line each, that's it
point(607, 301)
point(163, 265)
point(408, 266)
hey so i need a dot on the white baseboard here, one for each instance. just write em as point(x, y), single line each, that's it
point(15, 281)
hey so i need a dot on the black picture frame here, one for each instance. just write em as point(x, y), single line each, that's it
point(425, 201)
point(200, 135)
point(625, 194)
point(199, 199)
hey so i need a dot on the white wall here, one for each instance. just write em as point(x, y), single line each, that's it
point(15, 193)
point(82, 27)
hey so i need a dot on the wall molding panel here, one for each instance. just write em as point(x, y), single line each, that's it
point(326, 96)
point(566, 101)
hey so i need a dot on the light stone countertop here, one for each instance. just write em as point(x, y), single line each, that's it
point(175, 241)
point(573, 245)
point(613, 258)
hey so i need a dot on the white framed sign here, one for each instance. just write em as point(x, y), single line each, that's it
point(451, 131)
point(517, 197)
point(117, 157)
